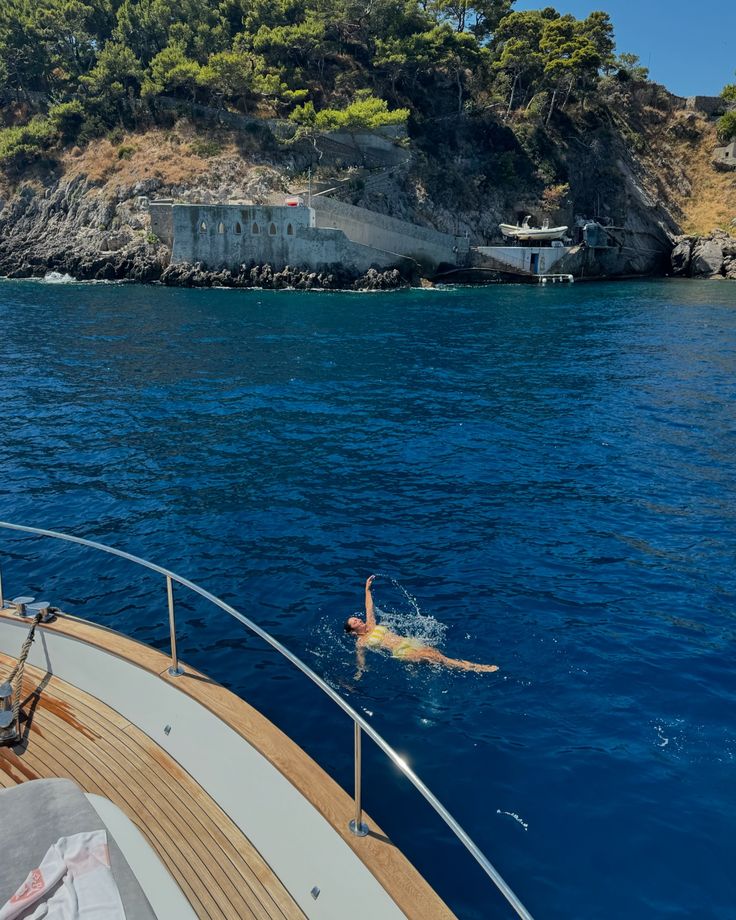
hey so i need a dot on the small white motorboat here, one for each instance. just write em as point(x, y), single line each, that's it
point(525, 232)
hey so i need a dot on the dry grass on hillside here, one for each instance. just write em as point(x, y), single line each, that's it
point(184, 158)
point(179, 156)
point(153, 154)
point(712, 202)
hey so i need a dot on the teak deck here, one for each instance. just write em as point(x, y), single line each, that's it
point(70, 733)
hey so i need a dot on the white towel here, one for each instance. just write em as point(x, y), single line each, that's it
point(73, 882)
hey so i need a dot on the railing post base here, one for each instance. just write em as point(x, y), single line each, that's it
point(358, 830)
point(175, 672)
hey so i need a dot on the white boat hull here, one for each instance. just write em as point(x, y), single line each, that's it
point(532, 233)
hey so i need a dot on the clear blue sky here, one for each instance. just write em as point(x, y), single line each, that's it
point(689, 46)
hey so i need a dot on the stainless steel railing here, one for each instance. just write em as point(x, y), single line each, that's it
point(357, 826)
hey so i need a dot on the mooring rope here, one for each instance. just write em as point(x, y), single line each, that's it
point(15, 678)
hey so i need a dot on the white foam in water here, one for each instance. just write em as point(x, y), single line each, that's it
point(57, 278)
point(663, 740)
point(512, 814)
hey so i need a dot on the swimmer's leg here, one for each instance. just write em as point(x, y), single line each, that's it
point(432, 655)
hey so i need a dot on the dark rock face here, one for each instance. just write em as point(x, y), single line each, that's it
point(75, 229)
point(682, 256)
point(379, 281)
point(707, 258)
point(72, 228)
point(183, 274)
point(713, 256)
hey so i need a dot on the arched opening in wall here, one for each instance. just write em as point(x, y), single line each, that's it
point(289, 230)
point(254, 229)
point(272, 230)
point(203, 227)
point(238, 228)
point(221, 227)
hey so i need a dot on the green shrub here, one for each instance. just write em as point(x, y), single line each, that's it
point(365, 113)
point(67, 118)
point(634, 140)
point(548, 170)
point(22, 145)
point(205, 147)
point(92, 127)
point(505, 167)
point(538, 106)
point(125, 152)
point(727, 127)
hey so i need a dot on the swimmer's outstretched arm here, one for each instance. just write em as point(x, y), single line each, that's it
point(370, 613)
point(360, 661)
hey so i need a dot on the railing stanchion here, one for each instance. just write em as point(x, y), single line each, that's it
point(357, 826)
point(174, 670)
point(2, 598)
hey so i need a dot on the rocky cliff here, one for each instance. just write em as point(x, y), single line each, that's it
point(87, 217)
point(641, 173)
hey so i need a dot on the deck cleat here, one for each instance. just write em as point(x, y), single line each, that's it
point(42, 607)
point(21, 603)
point(8, 724)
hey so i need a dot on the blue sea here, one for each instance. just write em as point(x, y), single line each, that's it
point(544, 479)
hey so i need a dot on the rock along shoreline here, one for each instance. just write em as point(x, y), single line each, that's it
point(712, 256)
point(184, 275)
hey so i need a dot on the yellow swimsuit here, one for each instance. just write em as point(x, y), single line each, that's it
point(405, 646)
point(375, 637)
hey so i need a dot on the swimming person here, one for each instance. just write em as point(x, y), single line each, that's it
point(369, 634)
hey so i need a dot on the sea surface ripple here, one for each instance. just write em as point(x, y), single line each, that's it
point(549, 472)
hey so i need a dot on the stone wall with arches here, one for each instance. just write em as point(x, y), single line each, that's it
point(228, 236)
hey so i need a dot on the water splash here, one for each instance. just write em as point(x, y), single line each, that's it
point(57, 278)
point(404, 616)
point(695, 743)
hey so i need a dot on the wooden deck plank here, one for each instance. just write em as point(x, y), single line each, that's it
point(72, 734)
point(38, 761)
point(242, 855)
point(78, 766)
point(99, 772)
point(51, 755)
point(235, 853)
point(185, 809)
